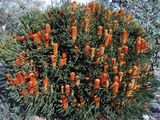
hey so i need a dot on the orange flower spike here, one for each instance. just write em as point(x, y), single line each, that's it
point(115, 24)
point(114, 62)
point(88, 11)
point(30, 34)
point(55, 48)
point(87, 49)
point(48, 28)
point(93, 6)
point(64, 102)
point(36, 38)
point(53, 60)
point(110, 31)
point(135, 70)
point(122, 56)
point(100, 30)
point(102, 49)
point(122, 12)
point(124, 36)
point(61, 62)
point(24, 93)
point(45, 83)
point(46, 39)
point(64, 55)
point(108, 14)
point(32, 77)
point(74, 33)
point(120, 76)
point(39, 34)
point(15, 81)
point(62, 89)
point(105, 32)
point(115, 69)
point(73, 76)
point(8, 77)
point(30, 87)
point(67, 89)
point(86, 24)
point(115, 13)
point(20, 77)
point(96, 84)
point(23, 39)
point(138, 45)
point(103, 78)
point(97, 100)
point(92, 52)
point(32, 84)
point(107, 39)
point(115, 86)
point(129, 17)
point(105, 67)
point(125, 47)
point(143, 45)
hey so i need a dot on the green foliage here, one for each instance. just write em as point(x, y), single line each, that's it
point(47, 104)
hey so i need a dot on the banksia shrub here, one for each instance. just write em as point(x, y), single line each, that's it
point(79, 62)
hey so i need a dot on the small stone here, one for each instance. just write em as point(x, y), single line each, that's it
point(146, 117)
point(155, 107)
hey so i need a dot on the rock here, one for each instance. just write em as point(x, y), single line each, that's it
point(36, 118)
point(145, 117)
point(155, 107)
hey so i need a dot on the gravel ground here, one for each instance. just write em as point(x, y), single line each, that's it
point(155, 104)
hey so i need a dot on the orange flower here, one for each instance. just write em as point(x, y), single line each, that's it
point(105, 67)
point(72, 76)
point(23, 39)
point(87, 49)
point(62, 62)
point(138, 45)
point(30, 35)
point(86, 24)
point(92, 52)
point(115, 86)
point(100, 30)
point(96, 83)
point(74, 33)
point(103, 78)
point(55, 48)
point(15, 81)
point(114, 62)
point(45, 83)
point(19, 61)
point(32, 84)
point(124, 36)
point(115, 69)
point(53, 60)
point(46, 39)
point(107, 39)
point(48, 28)
point(88, 11)
point(67, 89)
point(125, 47)
point(121, 56)
point(8, 77)
point(23, 92)
point(36, 38)
point(62, 89)
point(122, 12)
point(64, 102)
point(21, 77)
point(97, 100)
point(93, 5)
